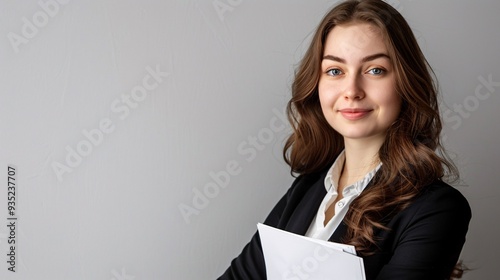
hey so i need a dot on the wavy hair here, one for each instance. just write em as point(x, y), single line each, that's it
point(411, 154)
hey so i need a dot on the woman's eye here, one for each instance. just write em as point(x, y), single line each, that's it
point(376, 71)
point(334, 72)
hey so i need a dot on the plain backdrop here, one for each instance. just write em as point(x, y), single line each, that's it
point(147, 135)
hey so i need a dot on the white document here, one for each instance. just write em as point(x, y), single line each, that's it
point(289, 256)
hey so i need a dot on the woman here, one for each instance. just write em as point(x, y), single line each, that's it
point(367, 150)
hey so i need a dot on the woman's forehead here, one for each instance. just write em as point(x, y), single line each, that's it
point(354, 40)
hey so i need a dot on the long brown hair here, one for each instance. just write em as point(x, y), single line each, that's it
point(411, 154)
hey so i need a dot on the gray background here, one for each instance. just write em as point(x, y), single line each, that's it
point(117, 214)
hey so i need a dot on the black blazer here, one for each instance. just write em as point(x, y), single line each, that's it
point(424, 242)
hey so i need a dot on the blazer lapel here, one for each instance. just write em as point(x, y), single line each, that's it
point(306, 201)
point(341, 230)
point(339, 233)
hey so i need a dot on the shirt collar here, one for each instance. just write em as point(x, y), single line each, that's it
point(333, 175)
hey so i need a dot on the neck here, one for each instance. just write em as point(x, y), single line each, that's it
point(360, 157)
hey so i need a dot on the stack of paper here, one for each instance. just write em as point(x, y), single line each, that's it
point(289, 256)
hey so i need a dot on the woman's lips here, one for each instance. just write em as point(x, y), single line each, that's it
point(353, 114)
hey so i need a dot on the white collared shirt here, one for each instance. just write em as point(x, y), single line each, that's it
point(317, 228)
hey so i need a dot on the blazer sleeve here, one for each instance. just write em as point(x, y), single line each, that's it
point(429, 236)
point(250, 263)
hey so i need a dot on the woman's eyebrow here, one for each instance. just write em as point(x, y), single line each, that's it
point(375, 56)
point(364, 59)
point(334, 58)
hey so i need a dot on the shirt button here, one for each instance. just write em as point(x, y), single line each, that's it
point(340, 204)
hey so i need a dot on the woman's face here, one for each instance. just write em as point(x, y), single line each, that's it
point(357, 85)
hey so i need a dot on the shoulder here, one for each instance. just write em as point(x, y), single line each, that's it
point(426, 237)
point(440, 213)
point(438, 203)
point(441, 195)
